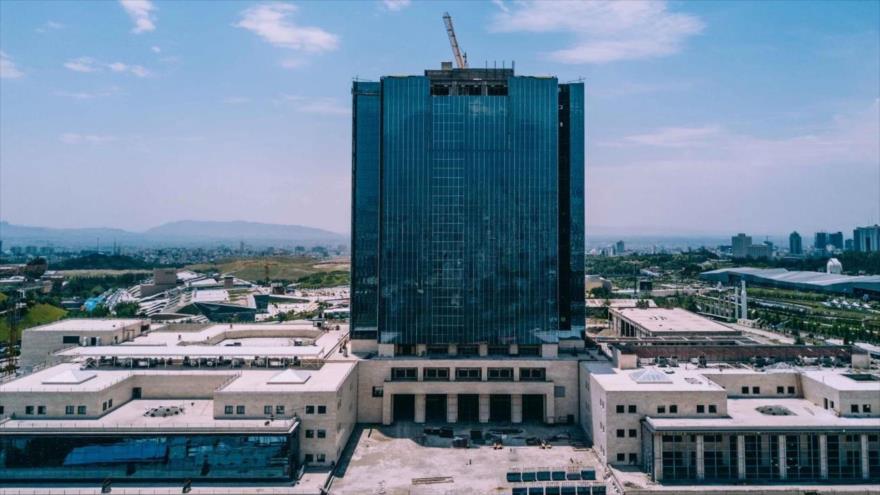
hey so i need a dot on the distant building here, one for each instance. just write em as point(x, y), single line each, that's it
point(759, 251)
point(834, 266)
point(836, 240)
point(619, 247)
point(867, 239)
point(848, 245)
point(820, 241)
point(797, 280)
point(795, 244)
point(740, 245)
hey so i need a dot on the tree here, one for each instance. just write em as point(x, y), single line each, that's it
point(127, 309)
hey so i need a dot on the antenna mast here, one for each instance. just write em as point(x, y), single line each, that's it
point(460, 60)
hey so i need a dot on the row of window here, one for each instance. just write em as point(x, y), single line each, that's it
point(755, 390)
point(316, 433)
point(279, 409)
point(468, 350)
point(621, 433)
point(782, 390)
point(633, 458)
point(701, 409)
point(319, 458)
point(107, 404)
point(631, 409)
point(68, 410)
point(866, 408)
point(468, 374)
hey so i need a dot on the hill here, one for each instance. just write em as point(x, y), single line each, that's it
point(102, 262)
point(290, 268)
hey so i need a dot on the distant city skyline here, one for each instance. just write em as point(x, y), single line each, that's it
point(701, 117)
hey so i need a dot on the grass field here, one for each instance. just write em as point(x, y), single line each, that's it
point(288, 268)
point(39, 314)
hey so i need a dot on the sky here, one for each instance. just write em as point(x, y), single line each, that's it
point(701, 116)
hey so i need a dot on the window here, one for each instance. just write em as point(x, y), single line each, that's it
point(529, 350)
point(468, 374)
point(558, 391)
point(322, 433)
point(322, 458)
point(756, 390)
point(866, 408)
point(632, 433)
point(701, 408)
point(780, 390)
point(378, 391)
point(404, 374)
point(322, 409)
point(227, 410)
point(70, 339)
point(28, 409)
point(310, 458)
point(854, 408)
point(109, 403)
point(267, 409)
point(41, 410)
point(310, 433)
point(499, 350)
point(532, 374)
point(620, 409)
point(713, 408)
point(832, 404)
point(631, 409)
point(621, 433)
point(68, 410)
point(279, 409)
point(468, 350)
point(81, 410)
point(661, 409)
point(791, 390)
point(745, 390)
point(239, 409)
point(310, 409)
point(633, 458)
point(2, 409)
point(621, 457)
point(500, 374)
point(673, 409)
point(437, 350)
point(104, 406)
point(435, 374)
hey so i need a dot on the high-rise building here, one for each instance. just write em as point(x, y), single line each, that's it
point(467, 208)
point(619, 247)
point(836, 239)
point(740, 245)
point(795, 244)
point(820, 242)
point(867, 239)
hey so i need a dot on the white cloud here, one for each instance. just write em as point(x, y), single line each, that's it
point(316, 105)
point(141, 13)
point(396, 5)
point(88, 95)
point(676, 137)
point(603, 31)
point(501, 5)
point(273, 22)
point(88, 64)
point(8, 70)
point(49, 26)
point(76, 138)
point(156, 49)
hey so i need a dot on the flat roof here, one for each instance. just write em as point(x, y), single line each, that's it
point(46, 380)
point(658, 320)
point(743, 415)
point(840, 381)
point(193, 351)
point(327, 379)
point(634, 380)
point(195, 416)
point(88, 324)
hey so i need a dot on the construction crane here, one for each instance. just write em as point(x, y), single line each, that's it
point(460, 59)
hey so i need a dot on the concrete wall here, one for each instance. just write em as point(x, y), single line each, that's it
point(766, 382)
point(38, 345)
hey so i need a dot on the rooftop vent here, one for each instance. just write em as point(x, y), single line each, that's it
point(650, 375)
point(774, 411)
point(70, 377)
point(288, 377)
point(163, 411)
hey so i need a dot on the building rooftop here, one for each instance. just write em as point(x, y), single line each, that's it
point(89, 324)
point(326, 379)
point(780, 414)
point(649, 379)
point(168, 415)
point(658, 320)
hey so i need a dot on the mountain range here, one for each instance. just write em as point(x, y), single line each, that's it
point(184, 233)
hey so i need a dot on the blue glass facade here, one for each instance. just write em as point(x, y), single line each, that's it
point(148, 457)
point(474, 183)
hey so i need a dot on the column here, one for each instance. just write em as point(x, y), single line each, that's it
point(484, 408)
point(823, 457)
point(658, 457)
point(451, 408)
point(741, 457)
point(484, 349)
point(550, 408)
point(783, 464)
point(419, 415)
point(516, 408)
point(701, 462)
point(386, 409)
point(866, 469)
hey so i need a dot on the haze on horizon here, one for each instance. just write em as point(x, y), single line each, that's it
point(702, 117)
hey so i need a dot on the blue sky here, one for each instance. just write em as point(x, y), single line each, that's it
point(702, 117)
